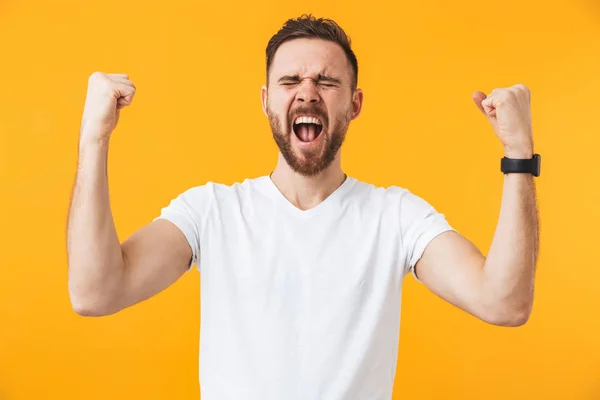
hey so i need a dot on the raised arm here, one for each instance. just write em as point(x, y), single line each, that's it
point(497, 289)
point(106, 276)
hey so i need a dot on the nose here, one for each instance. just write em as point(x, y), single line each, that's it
point(307, 92)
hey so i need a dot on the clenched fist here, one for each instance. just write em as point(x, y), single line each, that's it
point(509, 112)
point(107, 94)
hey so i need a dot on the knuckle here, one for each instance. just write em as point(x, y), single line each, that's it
point(96, 76)
point(522, 87)
point(520, 90)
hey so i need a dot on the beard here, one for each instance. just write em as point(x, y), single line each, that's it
point(313, 161)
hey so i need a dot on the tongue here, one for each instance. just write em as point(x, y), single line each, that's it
point(307, 132)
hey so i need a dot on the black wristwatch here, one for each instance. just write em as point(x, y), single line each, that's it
point(529, 165)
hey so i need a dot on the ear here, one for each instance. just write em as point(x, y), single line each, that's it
point(264, 99)
point(357, 102)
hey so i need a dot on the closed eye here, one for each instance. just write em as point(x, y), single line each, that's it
point(322, 80)
point(328, 81)
point(289, 80)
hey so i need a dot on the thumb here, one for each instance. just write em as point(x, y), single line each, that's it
point(124, 94)
point(478, 98)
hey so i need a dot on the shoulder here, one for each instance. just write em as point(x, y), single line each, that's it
point(372, 193)
point(392, 197)
point(219, 191)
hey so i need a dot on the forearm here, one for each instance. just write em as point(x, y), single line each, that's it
point(94, 252)
point(508, 272)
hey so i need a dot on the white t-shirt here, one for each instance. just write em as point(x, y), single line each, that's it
point(301, 305)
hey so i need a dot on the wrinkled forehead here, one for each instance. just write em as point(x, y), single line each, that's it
point(310, 57)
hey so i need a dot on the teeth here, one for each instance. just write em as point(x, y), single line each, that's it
point(307, 120)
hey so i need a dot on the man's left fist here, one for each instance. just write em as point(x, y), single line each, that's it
point(509, 112)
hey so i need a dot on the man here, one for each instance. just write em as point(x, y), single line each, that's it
point(302, 269)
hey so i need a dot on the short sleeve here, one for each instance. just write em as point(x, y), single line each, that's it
point(420, 223)
point(188, 212)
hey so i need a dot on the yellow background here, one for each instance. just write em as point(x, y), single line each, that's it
point(198, 67)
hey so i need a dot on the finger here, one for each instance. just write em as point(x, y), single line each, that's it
point(125, 87)
point(118, 76)
point(478, 97)
point(124, 81)
point(126, 99)
point(126, 92)
point(488, 106)
point(522, 90)
point(520, 87)
point(122, 103)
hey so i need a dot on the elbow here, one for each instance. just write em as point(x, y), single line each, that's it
point(509, 316)
point(87, 310)
point(514, 320)
point(91, 296)
point(90, 306)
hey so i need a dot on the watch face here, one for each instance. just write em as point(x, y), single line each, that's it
point(537, 164)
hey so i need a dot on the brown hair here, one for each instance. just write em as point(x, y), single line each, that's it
point(307, 26)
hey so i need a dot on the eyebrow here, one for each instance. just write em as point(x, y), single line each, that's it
point(326, 78)
point(320, 78)
point(289, 78)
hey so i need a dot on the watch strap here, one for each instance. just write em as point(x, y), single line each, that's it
point(530, 165)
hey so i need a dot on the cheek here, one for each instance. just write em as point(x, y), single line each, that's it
point(279, 100)
point(337, 114)
point(337, 103)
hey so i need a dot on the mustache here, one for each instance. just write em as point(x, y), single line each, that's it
point(316, 111)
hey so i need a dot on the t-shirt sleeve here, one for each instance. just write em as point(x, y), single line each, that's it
point(420, 224)
point(188, 212)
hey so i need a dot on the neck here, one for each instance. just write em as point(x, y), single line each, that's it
point(305, 192)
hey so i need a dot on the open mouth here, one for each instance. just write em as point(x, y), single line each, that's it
point(307, 129)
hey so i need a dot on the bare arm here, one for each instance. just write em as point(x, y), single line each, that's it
point(105, 276)
point(497, 289)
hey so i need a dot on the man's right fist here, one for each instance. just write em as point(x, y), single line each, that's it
point(106, 95)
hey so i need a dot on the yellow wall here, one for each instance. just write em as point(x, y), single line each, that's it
point(198, 67)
